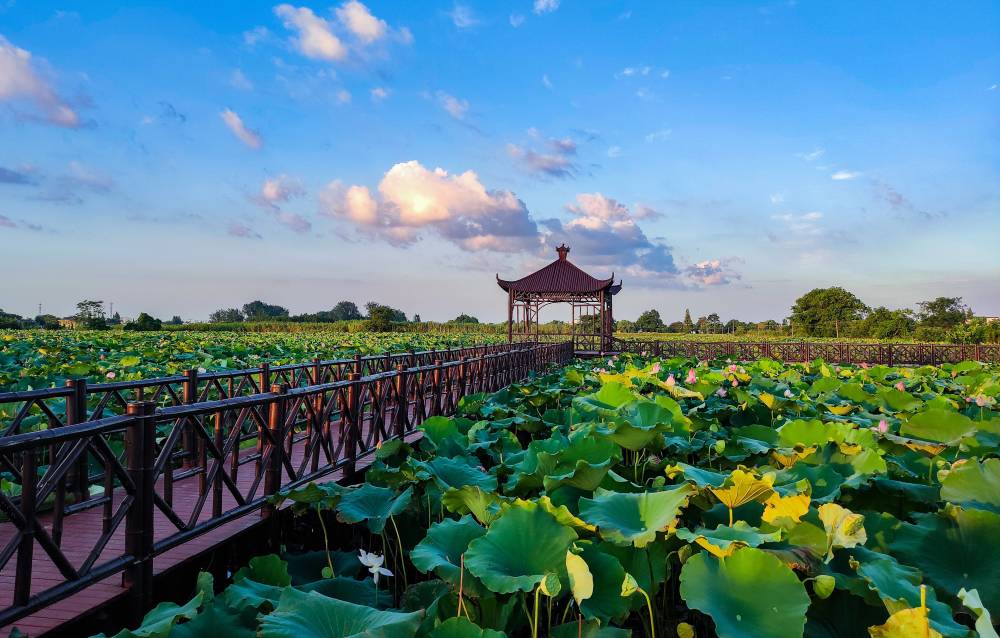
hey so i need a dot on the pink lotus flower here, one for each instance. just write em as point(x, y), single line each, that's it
point(671, 381)
point(900, 386)
point(110, 375)
point(692, 378)
point(656, 368)
point(721, 392)
point(788, 394)
point(736, 382)
point(968, 399)
point(864, 366)
point(732, 367)
point(611, 363)
point(981, 401)
point(883, 426)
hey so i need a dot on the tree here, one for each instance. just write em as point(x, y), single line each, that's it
point(676, 327)
point(882, 323)
point(345, 311)
point(48, 322)
point(688, 324)
point(380, 318)
point(226, 315)
point(943, 312)
point(10, 320)
point(144, 323)
point(416, 318)
point(260, 311)
point(397, 315)
point(90, 314)
point(175, 320)
point(732, 326)
point(464, 318)
point(649, 321)
point(115, 320)
point(824, 312)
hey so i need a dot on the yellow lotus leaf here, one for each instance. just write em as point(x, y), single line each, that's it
point(783, 510)
point(788, 460)
point(581, 581)
point(743, 488)
point(844, 528)
point(840, 410)
point(768, 399)
point(850, 449)
point(907, 623)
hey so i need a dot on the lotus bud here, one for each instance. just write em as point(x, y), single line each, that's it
point(823, 586)
point(692, 378)
point(720, 446)
point(900, 386)
point(671, 381)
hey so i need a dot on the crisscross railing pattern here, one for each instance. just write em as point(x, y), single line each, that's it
point(841, 353)
point(237, 452)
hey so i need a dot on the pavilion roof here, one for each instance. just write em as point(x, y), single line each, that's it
point(560, 276)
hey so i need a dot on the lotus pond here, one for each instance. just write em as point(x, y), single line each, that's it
point(657, 498)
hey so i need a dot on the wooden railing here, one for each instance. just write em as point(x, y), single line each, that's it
point(245, 449)
point(891, 354)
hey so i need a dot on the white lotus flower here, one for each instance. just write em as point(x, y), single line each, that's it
point(374, 564)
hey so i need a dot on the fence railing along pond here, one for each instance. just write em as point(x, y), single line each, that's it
point(235, 451)
point(891, 354)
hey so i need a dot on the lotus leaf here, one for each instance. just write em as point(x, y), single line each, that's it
point(634, 519)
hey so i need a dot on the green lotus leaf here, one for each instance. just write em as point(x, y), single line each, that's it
point(312, 615)
point(560, 512)
point(806, 433)
point(442, 436)
point(973, 484)
point(469, 499)
point(160, 621)
point(898, 586)
point(462, 627)
point(319, 496)
point(307, 567)
point(648, 565)
point(757, 439)
point(372, 504)
point(956, 549)
point(268, 569)
point(218, 619)
point(583, 463)
point(589, 629)
point(940, 425)
point(606, 401)
point(634, 519)
point(750, 594)
point(247, 592)
point(359, 592)
point(698, 476)
point(441, 550)
point(605, 601)
point(724, 540)
point(519, 549)
point(456, 472)
point(641, 425)
point(899, 400)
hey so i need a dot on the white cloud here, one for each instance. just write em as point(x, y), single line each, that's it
point(777, 198)
point(315, 37)
point(360, 21)
point(545, 6)
point(554, 161)
point(379, 93)
point(455, 107)
point(238, 80)
point(235, 124)
point(277, 191)
point(82, 175)
point(844, 175)
point(344, 96)
point(412, 200)
point(242, 231)
point(712, 272)
point(812, 155)
point(665, 73)
point(462, 17)
point(659, 136)
point(993, 87)
point(801, 225)
point(516, 20)
point(614, 151)
point(546, 81)
point(255, 35)
point(21, 82)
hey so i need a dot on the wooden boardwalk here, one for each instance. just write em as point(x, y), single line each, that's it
point(82, 529)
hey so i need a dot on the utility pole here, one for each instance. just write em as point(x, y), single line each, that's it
point(39, 310)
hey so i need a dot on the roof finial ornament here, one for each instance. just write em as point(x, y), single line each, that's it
point(563, 250)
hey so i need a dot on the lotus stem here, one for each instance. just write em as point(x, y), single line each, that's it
point(649, 607)
point(923, 611)
point(461, 584)
point(326, 542)
point(534, 625)
point(730, 517)
point(402, 556)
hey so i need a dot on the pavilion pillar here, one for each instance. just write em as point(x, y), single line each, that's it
point(510, 316)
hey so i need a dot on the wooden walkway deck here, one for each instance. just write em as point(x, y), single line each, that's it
point(83, 528)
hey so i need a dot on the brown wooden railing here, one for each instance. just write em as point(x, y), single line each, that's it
point(245, 449)
point(891, 354)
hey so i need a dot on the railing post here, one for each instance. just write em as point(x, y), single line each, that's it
point(350, 425)
point(462, 374)
point(436, 394)
point(76, 412)
point(357, 364)
point(276, 428)
point(317, 369)
point(220, 418)
point(140, 440)
point(189, 396)
point(402, 401)
point(25, 549)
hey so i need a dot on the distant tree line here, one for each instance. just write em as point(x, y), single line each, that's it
point(836, 312)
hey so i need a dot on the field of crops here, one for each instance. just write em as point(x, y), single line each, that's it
point(661, 498)
point(31, 359)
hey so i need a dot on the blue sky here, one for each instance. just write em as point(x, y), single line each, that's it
point(178, 157)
